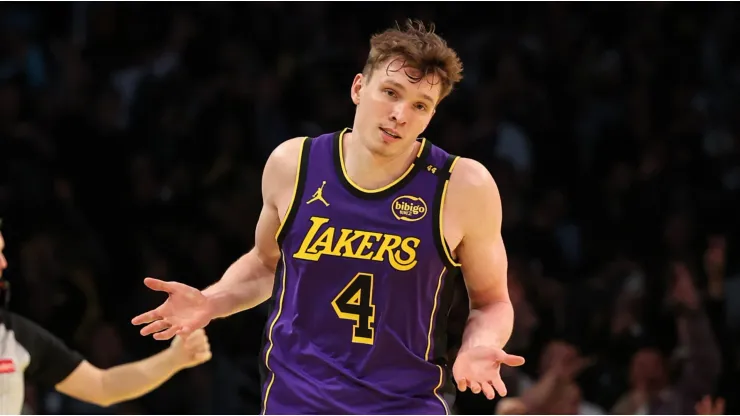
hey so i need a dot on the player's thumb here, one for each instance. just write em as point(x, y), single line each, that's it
point(195, 339)
point(195, 334)
point(159, 285)
point(169, 287)
point(201, 357)
point(189, 329)
point(512, 360)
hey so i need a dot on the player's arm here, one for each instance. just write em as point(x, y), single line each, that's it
point(481, 252)
point(249, 281)
point(52, 363)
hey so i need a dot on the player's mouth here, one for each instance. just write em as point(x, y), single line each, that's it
point(390, 134)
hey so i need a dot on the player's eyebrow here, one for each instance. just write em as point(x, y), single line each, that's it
point(403, 88)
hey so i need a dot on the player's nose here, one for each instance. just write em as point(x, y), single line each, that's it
point(399, 113)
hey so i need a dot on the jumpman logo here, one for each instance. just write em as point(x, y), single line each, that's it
point(318, 195)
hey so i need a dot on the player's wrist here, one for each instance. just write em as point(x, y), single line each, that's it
point(212, 305)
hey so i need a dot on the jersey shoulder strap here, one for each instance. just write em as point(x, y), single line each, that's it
point(300, 179)
point(441, 164)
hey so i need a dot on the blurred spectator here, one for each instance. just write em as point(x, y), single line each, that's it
point(697, 359)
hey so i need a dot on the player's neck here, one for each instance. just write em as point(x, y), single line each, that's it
point(371, 170)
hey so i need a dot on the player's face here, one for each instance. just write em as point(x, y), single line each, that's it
point(393, 109)
point(3, 260)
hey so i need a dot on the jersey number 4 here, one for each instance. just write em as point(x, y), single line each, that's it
point(355, 303)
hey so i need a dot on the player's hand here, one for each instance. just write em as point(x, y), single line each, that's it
point(478, 369)
point(191, 350)
point(185, 310)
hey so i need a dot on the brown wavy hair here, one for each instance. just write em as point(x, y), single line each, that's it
point(420, 48)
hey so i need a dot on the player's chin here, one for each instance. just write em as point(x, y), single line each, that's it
point(391, 147)
point(382, 148)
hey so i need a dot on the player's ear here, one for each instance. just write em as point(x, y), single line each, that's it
point(356, 87)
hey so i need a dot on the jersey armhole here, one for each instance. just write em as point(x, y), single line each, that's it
point(300, 179)
point(439, 240)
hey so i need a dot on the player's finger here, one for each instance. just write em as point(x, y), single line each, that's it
point(154, 327)
point(512, 360)
point(185, 331)
point(475, 387)
point(194, 335)
point(162, 286)
point(203, 346)
point(146, 317)
point(197, 332)
point(195, 340)
point(488, 391)
point(199, 335)
point(462, 384)
point(166, 334)
point(499, 385)
point(202, 357)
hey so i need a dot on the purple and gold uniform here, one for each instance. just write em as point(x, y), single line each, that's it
point(362, 292)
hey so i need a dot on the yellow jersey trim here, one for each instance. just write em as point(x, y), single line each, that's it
point(373, 191)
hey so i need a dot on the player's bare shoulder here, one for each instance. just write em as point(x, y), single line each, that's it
point(469, 177)
point(470, 172)
point(472, 191)
point(280, 172)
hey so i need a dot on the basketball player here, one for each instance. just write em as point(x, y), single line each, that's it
point(361, 235)
point(29, 352)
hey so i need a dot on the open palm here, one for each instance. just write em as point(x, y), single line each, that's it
point(478, 368)
point(185, 310)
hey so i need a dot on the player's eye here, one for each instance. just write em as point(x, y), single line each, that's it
point(421, 107)
point(390, 92)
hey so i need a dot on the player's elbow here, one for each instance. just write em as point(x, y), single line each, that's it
point(266, 265)
point(486, 275)
point(265, 260)
point(491, 297)
point(486, 304)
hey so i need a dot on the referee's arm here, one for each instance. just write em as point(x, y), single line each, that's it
point(54, 364)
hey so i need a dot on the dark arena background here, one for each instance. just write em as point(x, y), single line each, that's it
point(133, 136)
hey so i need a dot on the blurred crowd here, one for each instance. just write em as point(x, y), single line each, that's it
point(133, 135)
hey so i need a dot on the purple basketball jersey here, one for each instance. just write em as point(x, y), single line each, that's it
point(362, 292)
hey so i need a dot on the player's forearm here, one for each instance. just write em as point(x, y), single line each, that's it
point(132, 380)
point(489, 325)
point(245, 284)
